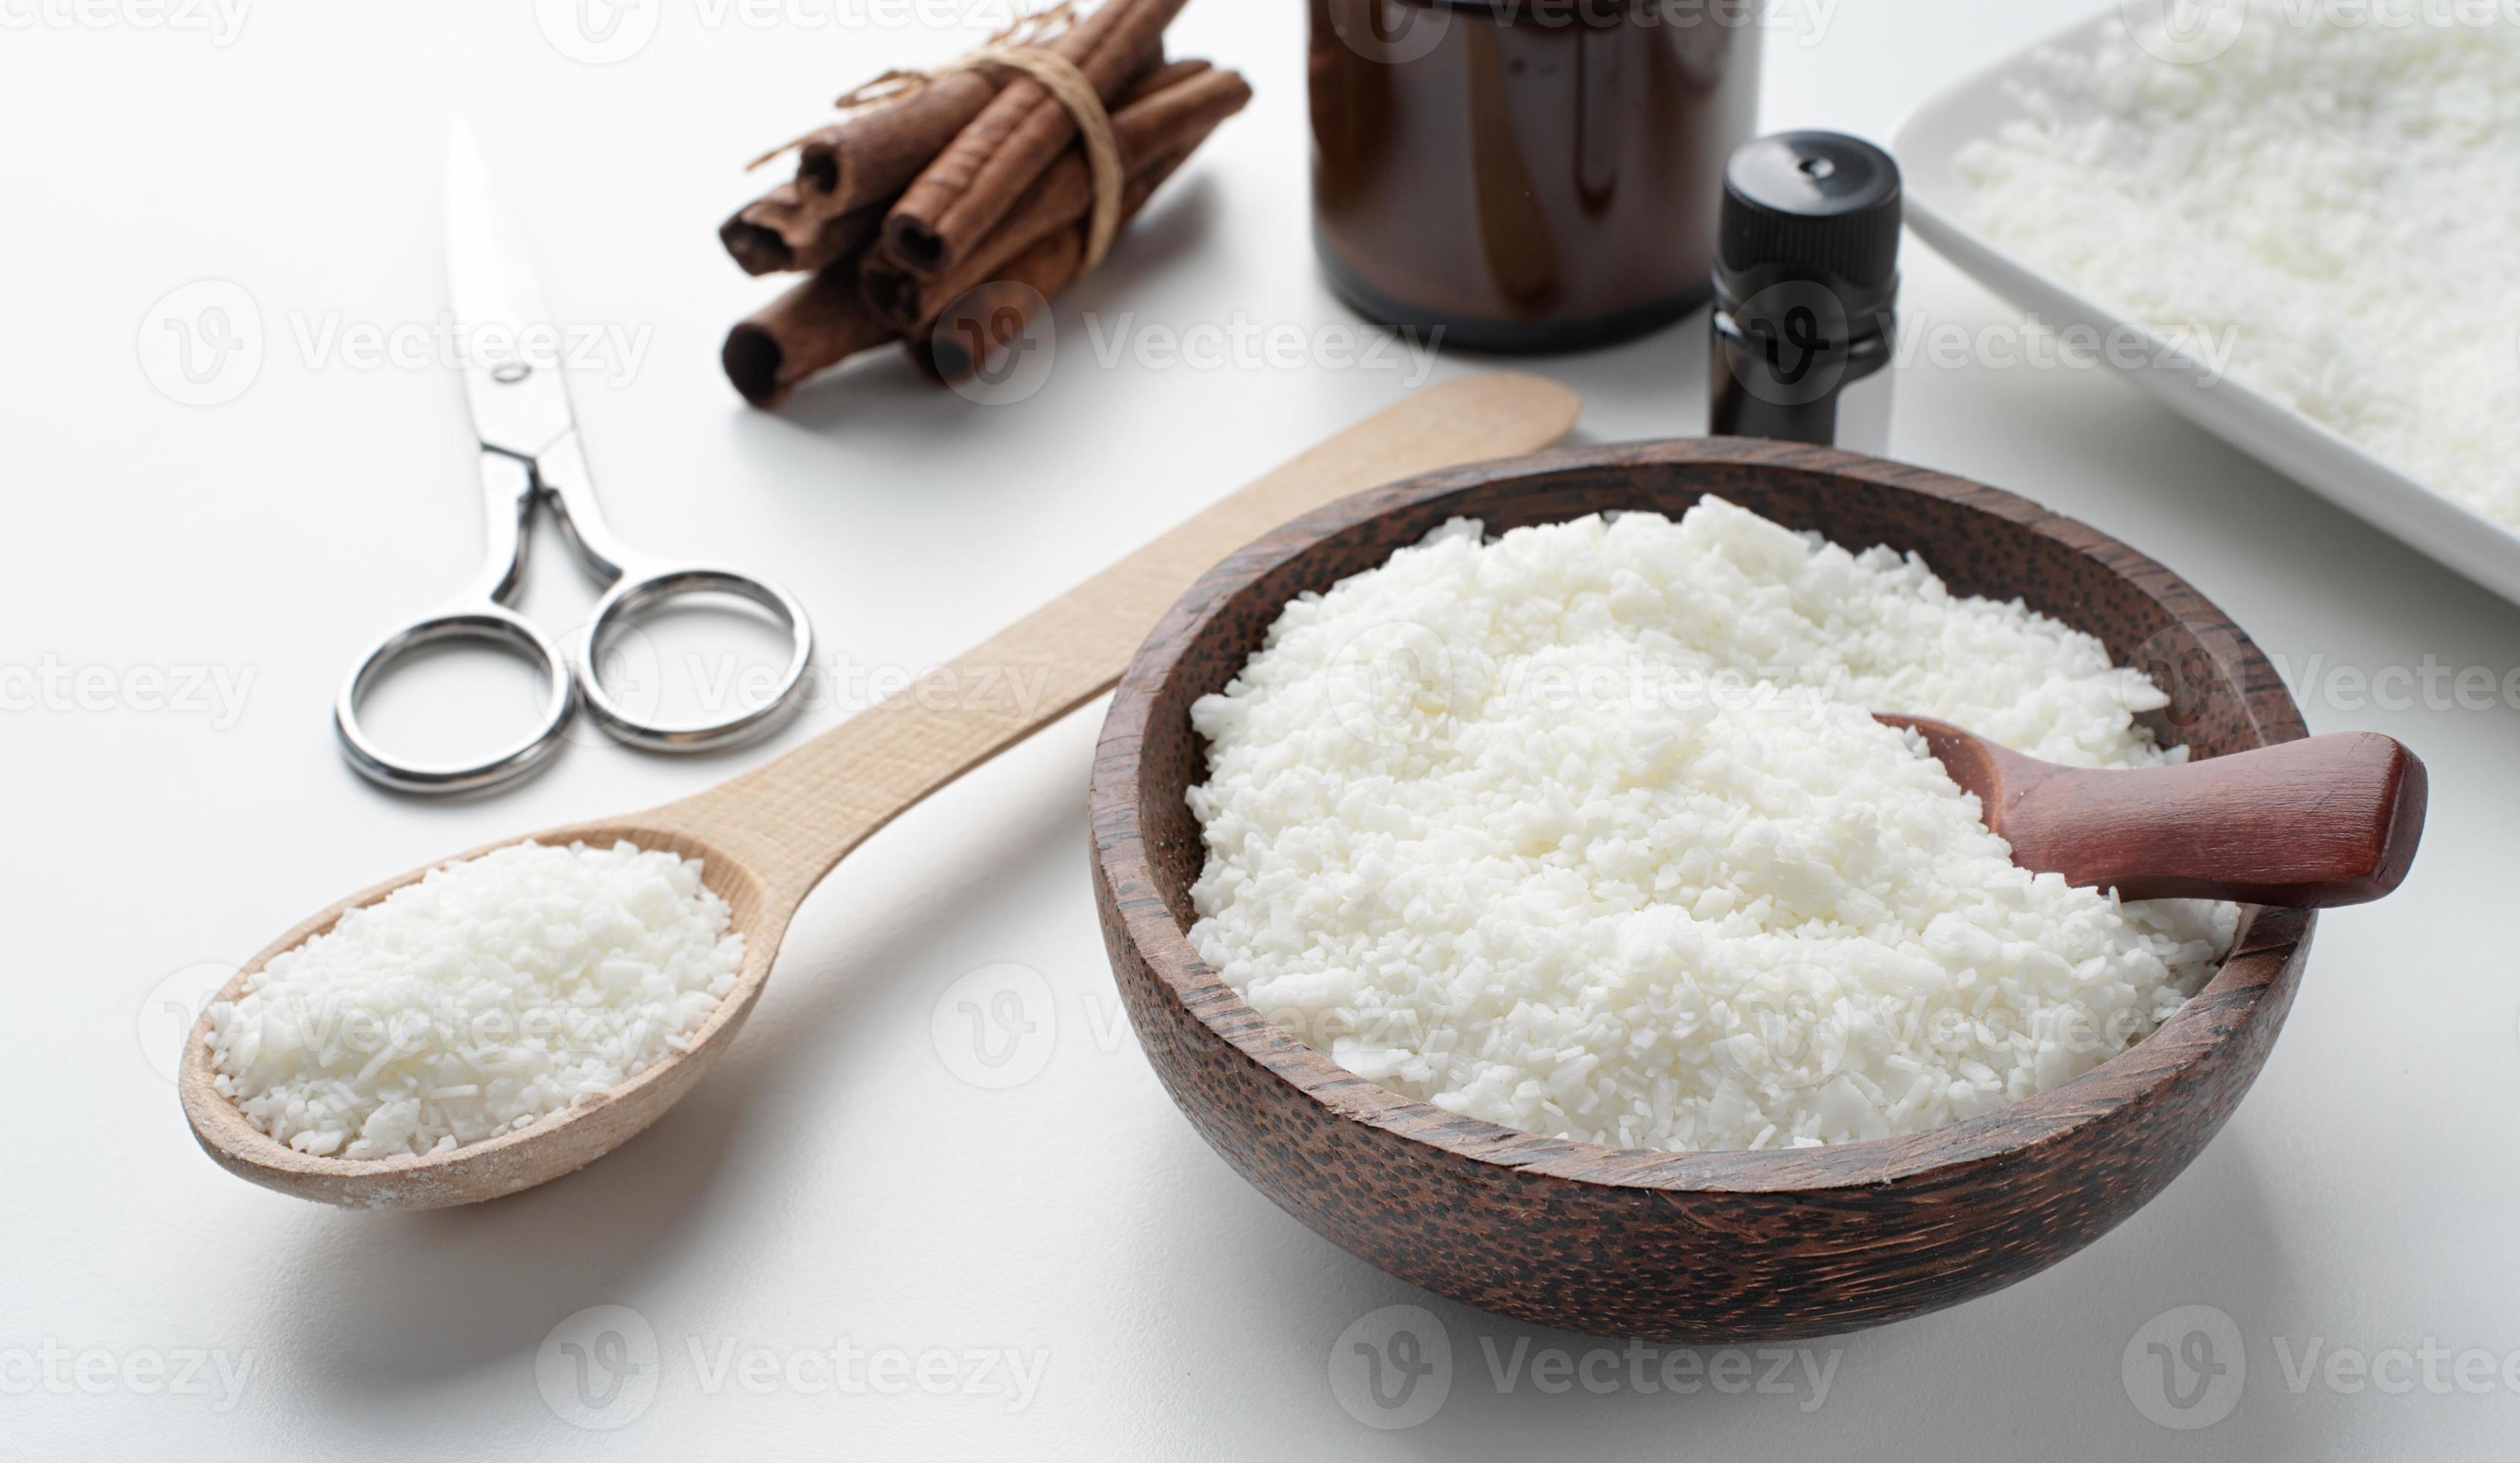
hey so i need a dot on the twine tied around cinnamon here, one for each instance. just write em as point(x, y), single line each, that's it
point(1018, 48)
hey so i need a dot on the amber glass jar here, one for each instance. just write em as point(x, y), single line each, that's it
point(1526, 174)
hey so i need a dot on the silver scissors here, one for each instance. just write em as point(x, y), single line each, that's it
point(530, 457)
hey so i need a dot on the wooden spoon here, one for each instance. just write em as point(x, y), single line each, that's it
point(2306, 825)
point(769, 836)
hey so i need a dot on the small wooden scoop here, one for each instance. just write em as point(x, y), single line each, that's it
point(2306, 825)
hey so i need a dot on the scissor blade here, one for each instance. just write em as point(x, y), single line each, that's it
point(511, 358)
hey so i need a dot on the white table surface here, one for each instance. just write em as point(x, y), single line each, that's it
point(835, 1183)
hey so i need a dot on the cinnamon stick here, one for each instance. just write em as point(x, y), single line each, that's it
point(1164, 76)
point(985, 321)
point(777, 232)
point(1171, 115)
point(987, 165)
point(874, 155)
point(974, 326)
point(816, 324)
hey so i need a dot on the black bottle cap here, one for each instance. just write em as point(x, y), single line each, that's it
point(1816, 206)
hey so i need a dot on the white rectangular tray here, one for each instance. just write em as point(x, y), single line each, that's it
point(1928, 146)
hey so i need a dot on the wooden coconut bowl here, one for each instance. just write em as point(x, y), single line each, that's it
point(1703, 1248)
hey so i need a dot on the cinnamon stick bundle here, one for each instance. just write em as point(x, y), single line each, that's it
point(789, 228)
point(827, 319)
point(1017, 220)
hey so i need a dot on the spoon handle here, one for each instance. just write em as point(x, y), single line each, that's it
point(2311, 824)
point(795, 818)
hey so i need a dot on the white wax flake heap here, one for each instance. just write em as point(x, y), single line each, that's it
point(1589, 830)
point(491, 995)
point(2335, 206)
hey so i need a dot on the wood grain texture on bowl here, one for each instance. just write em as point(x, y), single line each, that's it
point(1703, 1248)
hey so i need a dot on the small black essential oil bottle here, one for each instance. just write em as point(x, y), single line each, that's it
point(1806, 292)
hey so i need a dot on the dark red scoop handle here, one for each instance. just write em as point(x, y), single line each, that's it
point(2311, 824)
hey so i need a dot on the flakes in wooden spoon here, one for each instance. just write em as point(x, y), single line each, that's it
point(493, 993)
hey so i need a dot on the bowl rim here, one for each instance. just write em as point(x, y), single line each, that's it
point(2221, 1013)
